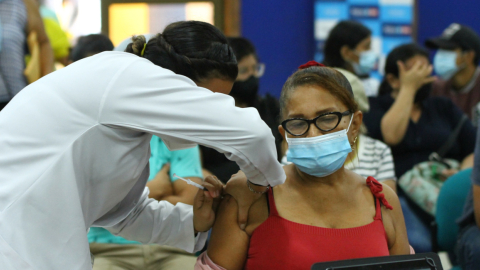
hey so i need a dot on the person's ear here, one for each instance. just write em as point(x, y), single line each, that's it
point(355, 126)
point(282, 131)
point(346, 53)
point(468, 58)
point(393, 81)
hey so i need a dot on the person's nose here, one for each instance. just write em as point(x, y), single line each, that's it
point(313, 131)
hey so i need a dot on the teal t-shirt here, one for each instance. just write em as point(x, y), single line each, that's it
point(185, 163)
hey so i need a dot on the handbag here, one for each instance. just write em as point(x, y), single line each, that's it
point(423, 182)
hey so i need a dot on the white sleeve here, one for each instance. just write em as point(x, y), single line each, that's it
point(160, 222)
point(151, 99)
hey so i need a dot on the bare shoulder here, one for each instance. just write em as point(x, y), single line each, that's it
point(227, 213)
point(390, 195)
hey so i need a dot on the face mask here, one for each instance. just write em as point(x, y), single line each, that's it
point(366, 64)
point(322, 155)
point(445, 64)
point(245, 91)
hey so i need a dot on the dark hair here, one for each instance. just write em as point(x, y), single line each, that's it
point(325, 77)
point(348, 33)
point(400, 53)
point(242, 47)
point(194, 49)
point(90, 45)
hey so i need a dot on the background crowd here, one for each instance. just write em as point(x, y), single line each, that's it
point(416, 131)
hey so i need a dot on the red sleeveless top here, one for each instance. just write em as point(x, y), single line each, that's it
point(282, 244)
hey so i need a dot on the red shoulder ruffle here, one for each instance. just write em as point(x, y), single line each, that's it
point(376, 189)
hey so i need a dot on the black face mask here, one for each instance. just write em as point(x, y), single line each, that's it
point(245, 91)
point(423, 93)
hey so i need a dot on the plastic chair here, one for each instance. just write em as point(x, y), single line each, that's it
point(450, 205)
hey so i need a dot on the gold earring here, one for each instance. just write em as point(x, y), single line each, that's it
point(354, 141)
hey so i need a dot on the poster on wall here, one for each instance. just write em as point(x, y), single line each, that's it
point(389, 20)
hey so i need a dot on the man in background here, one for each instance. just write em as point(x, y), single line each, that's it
point(456, 63)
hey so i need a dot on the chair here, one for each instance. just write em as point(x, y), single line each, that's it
point(450, 205)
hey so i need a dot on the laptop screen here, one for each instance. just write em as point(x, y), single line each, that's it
point(428, 261)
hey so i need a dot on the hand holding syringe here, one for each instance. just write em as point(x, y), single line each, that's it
point(190, 182)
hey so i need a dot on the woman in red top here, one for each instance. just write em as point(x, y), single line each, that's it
point(323, 212)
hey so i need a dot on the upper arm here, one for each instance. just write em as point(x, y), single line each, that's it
point(394, 224)
point(34, 21)
point(228, 244)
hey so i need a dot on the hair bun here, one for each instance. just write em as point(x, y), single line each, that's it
point(311, 64)
point(136, 47)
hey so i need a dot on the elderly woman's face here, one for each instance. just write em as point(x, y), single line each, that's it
point(310, 101)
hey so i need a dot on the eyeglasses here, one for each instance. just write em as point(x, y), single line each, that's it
point(325, 122)
point(257, 70)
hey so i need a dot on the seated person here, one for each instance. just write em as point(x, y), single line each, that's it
point(415, 125)
point(468, 246)
point(349, 47)
point(245, 93)
point(114, 251)
point(373, 157)
point(409, 120)
point(456, 63)
point(323, 212)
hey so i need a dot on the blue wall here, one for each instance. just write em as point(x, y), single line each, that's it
point(282, 31)
point(436, 15)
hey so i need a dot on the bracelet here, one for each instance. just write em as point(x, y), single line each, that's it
point(253, 190)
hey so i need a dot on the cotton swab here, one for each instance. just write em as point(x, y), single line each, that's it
point(190, 182)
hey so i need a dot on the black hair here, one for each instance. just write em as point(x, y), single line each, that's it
point(194, 49)
point(242, 47)
point(325, 77)
point(400, 53)
point(90, 45)
point(349, 33)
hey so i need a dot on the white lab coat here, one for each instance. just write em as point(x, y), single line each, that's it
point(74, 150)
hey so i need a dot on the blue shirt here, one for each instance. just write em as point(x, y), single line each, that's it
point(185, 163)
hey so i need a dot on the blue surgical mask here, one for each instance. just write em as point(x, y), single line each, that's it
point(366, 64)
point(445, 64)
point(322, 155)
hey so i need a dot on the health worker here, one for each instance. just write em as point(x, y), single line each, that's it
point(75, 147)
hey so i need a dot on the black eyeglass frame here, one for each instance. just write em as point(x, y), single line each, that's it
point(314, 121)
